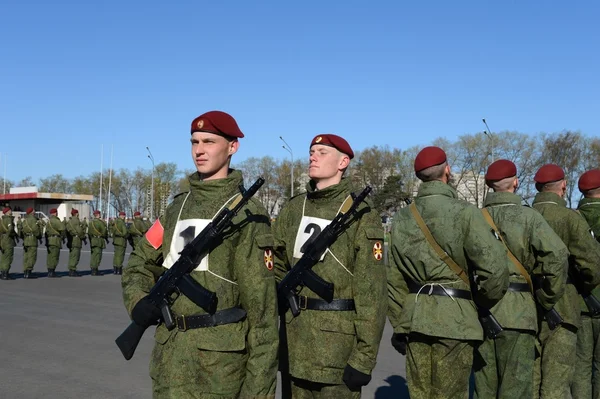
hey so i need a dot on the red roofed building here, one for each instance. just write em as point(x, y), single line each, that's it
point(21, 198)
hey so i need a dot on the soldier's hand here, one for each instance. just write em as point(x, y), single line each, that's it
point(399, 342)
point(355, 379)
point(145, 313)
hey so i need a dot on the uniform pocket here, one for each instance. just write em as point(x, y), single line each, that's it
point(264, 241)
point(373, 233)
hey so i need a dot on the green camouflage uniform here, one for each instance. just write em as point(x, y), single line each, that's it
point(322, 343)
point(98, 234)
point(559, 346)
point(227, 361)
point(137, 229)
point(504, 366)
point(120, 234)
point(55, 232)
point(442, 330)
point(31, 233)
point(586, 384)
point(75, 236)
point(7, 242)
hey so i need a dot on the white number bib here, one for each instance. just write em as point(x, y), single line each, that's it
point(185, 232)
point(310, 227)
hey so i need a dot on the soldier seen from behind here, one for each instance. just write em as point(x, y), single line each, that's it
point(31, 233)
point(75, 240)
point(8, 241)
point(120, 235)
point(55, 233)
point(98, 233)
point(137, 229)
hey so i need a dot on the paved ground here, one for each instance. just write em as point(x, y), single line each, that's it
point(57, 339)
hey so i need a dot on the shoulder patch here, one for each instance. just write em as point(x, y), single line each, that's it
point(378, 250)
point(269, 259)
point(155, 234)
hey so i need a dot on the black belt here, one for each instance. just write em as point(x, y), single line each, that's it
point(226, 316)
point(320, 304)
point(589, 314)
point(434, 289)
point(519, 287)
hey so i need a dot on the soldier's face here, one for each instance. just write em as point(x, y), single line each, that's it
point(211, 154)
point(326, 162)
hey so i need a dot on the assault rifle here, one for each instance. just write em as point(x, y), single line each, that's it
point(302, 274)
point(177, 278)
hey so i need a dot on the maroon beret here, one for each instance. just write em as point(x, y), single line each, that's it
point(589, 180)
point(6, 209)
point(74, 211)
point(549, 173)
point(334, 141)
point(137, 214)
point(29, 210)
point(501, 169)
point(122, 213)
point(53, 210)
point(428, 157)
point(217, 122)
point(96, 212)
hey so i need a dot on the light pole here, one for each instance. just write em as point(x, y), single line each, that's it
point(488, 133)
point(287, 147)
point(152, 188)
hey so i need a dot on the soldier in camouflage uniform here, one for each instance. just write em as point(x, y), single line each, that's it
point(98, 233)
point(55, 233)
point(235, 358)
point(333, 347)
point(559, 346)
point(120, 235)
point(75, 238)
point(8, 236)
point(586, 384)
point(504, 366)
point(30, 232)
point(431, 305)
point(137, 229)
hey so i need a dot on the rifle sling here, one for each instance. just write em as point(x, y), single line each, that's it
point(511, 256)
point(436, 247)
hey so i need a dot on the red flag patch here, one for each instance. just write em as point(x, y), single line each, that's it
point(155, 234)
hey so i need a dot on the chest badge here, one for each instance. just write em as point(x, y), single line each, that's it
point(269, 259)
point(378, 251)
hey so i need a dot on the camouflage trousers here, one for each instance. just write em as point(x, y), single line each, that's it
point(180, 370)
point(554, 369)
point(74, 255)
point(586, 381)
point(29, 257)
point(6, 258)
point(438, 368)
point(119, 255)
point(53, 256)
point(504, 366)
point(302, 389)
point(96, 257)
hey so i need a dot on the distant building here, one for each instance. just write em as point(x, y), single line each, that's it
point(21, 198)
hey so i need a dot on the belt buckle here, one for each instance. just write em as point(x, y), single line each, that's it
point(179, 327)
point(300, 298)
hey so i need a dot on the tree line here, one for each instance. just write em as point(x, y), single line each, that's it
point(387, 169)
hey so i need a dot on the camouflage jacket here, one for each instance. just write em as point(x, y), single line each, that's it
point(120, 233)
point(322, 343)
point(463, 233)
point(584, 252)
point(31, 231)
point(137, 228)
point(589, 208)
point(7, 232)
point(98, 233)
point(235, 270)
point(55, 232)
point(541, 252)
point(75, 232)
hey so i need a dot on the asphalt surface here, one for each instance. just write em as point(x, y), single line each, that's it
point(57, 338)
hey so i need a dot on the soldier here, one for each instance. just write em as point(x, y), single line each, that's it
point(75, 238)
point(120, 236)
point(137, 229)
point(31, 233)
point(220, 355)
point(585, 383)
point(504, 365)
point(8, 236)
point(84, 222)
point(441, 247)
point(333, 346)
point(559, 346)
point(98, 234)
point(55, 233)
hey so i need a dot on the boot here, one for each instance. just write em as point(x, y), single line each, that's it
point(28, 274)
point(52, 273)
point(96, 272)
point(74, 273)
point(120, 271)
point(3, 275)
point(115, 271)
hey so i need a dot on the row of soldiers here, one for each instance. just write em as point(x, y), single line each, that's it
point(74, 233)
point(522, 275)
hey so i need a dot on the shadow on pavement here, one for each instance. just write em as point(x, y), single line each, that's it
point(62, 274)
point(397, 389)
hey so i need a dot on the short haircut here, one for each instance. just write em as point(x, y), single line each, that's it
point(432, 173)
point(502, 185)
point(552, 186)
point(594, 192)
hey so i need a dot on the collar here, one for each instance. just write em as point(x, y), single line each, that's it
point(502, 198)
point(549, 198)
point(436, 188)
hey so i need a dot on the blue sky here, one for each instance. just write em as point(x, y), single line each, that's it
point(78, 74)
